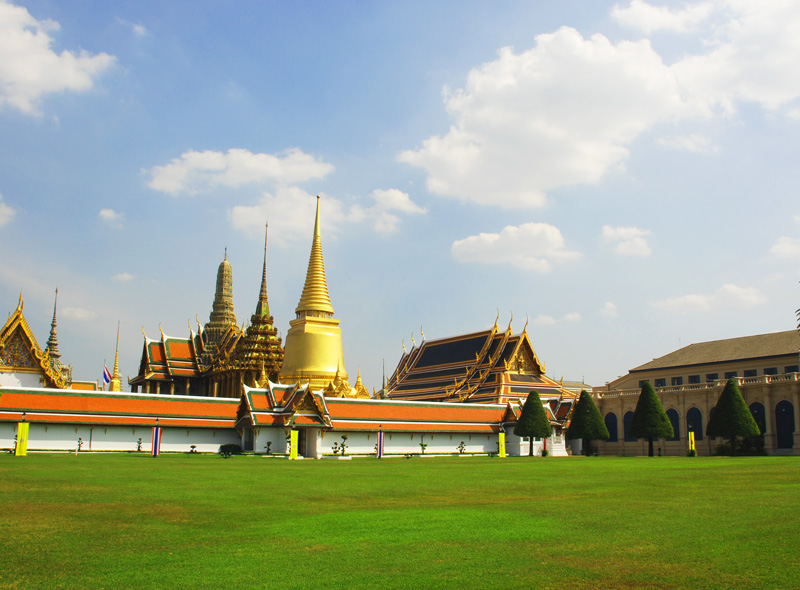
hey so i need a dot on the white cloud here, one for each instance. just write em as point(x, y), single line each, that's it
point(694, 143)
point(628, 241)
point(547, 320)
point(6, 213)
point(386, 201)
point(562, 113)
point(567, 111)
point(195, 172)
point(295, 207)
point(530, 246)
point(111, 217)
point(785, 247)
point(645, 17)
point(754, 57)
point(137, 29)
point(727, 296)
point(30, 69)
point(123, 277)
point(609, 310)
point(77, 313)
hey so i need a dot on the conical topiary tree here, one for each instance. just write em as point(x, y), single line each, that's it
point(587, 423)
point(731, 417)
point(533, 421)
point(649, 419)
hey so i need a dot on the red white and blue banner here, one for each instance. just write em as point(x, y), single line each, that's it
point(156, 441)
point(379, 446)
point(106, 374)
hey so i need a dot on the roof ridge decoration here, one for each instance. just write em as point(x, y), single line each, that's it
point(18, 345)
point(315, 297)
point(115, 384)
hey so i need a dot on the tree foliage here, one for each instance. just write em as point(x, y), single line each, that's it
point(586, 422)
point(650, 421)
point(533, 421)
point(731, 417)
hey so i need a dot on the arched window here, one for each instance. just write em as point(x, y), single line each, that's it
point(784, 424)
point(675, 420)
point(759, 415)
point(626, 423)
point(611, 424)
point(694, 423)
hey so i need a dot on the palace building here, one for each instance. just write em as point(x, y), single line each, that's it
point(688, 382)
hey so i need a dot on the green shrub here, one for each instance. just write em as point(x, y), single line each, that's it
point(229, 449)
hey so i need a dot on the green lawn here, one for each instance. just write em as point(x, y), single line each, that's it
point(196, 521)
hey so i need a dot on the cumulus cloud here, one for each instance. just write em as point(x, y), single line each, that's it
point(295, 207)
point(694, 143)
point(123, 277)
point(727, 296)
point(754, 57)
point(609, 310)
point(627, 241)
point(786, 247)
point(530, 246)
point(30, 69)
point(6, 213)
point(567, 110)
point(562, 113)
point(110, 217)
point(195, 172)
point(647, 18)
point(547, 320)
point(381, 213)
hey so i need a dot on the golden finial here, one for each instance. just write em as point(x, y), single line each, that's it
point(525, 327)
point(413, 342)
point(21, 301)
point(403, 344)
point(143, 332)
point(421, 333)
point(199, 326)
point(497, 319)
point(160, 330)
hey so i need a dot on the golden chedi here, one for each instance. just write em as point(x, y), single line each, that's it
point(313, 349)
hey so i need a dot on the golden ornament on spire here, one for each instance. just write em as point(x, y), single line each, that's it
point(116, 383)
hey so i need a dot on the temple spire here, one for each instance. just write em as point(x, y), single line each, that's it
point(262, 309)
point(315, 296)
point(222, 315)
point(52, 342)
point(116, 384)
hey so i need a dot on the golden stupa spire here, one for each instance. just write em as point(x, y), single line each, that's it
point(52, 342)
point(315, 296)
point(116, 384)
point(313, 350)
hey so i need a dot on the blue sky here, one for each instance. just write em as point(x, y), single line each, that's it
point(623, 175)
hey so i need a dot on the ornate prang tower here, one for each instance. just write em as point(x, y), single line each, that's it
point(259, 353)
point(222, 315)
point(313, 352)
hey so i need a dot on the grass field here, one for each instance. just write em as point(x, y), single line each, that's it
point(195, 521)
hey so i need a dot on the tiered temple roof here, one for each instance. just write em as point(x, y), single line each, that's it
point(21, 353)
point(490, 366)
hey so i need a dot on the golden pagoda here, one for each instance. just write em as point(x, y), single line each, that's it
point(222, 317)
point(116, 382)
point(313, 350)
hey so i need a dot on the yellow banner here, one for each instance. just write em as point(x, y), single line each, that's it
point(22, 439)
point(691, 441)
point(293, 444)
point(501, 444)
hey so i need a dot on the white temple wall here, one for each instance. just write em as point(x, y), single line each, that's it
point(64, 437)
point(15, 380)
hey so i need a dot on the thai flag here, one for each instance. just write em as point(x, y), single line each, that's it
point(156, 441)
point(379, 446)
point(106, 374)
